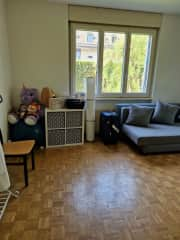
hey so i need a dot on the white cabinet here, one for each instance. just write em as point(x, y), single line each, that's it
point(64, 127)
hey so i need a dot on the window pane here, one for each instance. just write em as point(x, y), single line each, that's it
point(86, 57)
point(113, 62)
point(139, 59)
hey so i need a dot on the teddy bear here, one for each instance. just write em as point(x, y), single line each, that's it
point(30, 109)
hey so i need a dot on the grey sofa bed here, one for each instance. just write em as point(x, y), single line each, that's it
point(155, 138)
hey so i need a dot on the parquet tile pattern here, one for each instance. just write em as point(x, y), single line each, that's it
point(96, 192)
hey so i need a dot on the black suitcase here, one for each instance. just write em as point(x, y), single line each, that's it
point(109, 127)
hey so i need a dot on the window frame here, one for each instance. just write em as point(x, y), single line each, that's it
point(116, 29)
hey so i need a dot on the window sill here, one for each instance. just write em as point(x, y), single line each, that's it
point(123, 99)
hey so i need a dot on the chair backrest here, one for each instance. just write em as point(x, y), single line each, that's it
point(1, 137)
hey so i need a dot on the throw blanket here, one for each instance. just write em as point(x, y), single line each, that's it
point(4, 177)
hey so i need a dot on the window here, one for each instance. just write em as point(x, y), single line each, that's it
point(91, 37)
point(113, 62)
point(78, 53)
point(139, 59)
point(120, 59)
point(86, 61)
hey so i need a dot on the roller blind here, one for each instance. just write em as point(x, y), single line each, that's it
point(114, 17)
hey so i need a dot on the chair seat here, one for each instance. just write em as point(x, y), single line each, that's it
point(18, 148)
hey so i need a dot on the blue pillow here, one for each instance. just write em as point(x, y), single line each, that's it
point(139, 116)
point(165, 113)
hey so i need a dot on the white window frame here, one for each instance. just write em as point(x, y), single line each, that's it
point(108, 28)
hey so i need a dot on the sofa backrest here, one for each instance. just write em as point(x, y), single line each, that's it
point(123, 110)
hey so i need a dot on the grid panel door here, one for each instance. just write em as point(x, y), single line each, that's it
point(56, 137)
point(55, 120)
point(74, 119)
point(74, 136)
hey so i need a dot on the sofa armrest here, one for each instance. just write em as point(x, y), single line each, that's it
point(124, 114)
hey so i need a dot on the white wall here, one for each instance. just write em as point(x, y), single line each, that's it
point(38, 36)
point(167, 75)
point(4, 68)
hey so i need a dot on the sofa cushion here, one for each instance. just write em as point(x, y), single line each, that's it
point(139, 116)
point(154, 134)
point(165, 113)
point(125, 112)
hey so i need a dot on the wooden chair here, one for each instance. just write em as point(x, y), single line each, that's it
point(20, 149)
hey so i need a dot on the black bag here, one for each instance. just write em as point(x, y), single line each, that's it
point(109, 127)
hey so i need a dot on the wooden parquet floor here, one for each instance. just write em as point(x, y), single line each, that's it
point(96, 192)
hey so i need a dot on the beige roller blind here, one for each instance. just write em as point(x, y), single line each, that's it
point(114, 17)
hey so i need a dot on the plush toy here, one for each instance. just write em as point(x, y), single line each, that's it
point(22, 111)
point(30, 109)
point(13, 117)
point(29, 95)
point(33, 114)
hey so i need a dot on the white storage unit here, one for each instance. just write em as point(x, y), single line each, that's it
point(64, 127)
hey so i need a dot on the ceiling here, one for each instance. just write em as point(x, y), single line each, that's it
point(162, 6)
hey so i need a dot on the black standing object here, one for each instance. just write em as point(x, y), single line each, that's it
point(109, 127)
point(1, 98)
